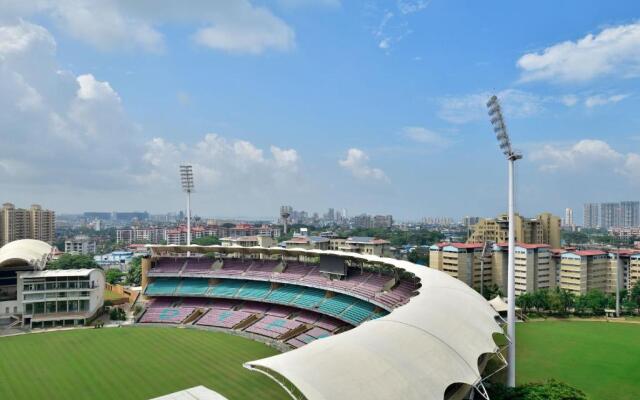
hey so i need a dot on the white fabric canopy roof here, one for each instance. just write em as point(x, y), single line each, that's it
point(29, 251)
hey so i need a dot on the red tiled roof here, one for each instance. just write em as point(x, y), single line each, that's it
point(526, 245)
point(586, 253)
point(459, 245)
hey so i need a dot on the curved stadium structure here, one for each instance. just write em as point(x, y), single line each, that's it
point(357, 326)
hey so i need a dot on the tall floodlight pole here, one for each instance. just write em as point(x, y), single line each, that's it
point(186, 178)
point(499, 127)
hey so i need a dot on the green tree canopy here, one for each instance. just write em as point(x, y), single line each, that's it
point(73, 261)
point(113, 275)
point(550, 390)
point(206, 241)
point(134, 274)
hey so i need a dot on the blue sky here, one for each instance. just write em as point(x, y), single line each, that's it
point(370, 106)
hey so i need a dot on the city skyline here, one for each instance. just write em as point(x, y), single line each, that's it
point(317, 103)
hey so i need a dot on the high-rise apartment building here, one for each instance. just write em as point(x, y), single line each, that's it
point(544, 229)
point(609, 215)
point(568, 217)
point(591, 216)
point(629, 214)
point(32, 223)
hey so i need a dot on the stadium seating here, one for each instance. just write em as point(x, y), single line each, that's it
point(192, 287)
point(255, 307)
point(358, 312)
point(294, 272)
point(162, 286)
point(329, 323)
point(309, 298)
point(198, 266)
point(254, 290)
point(223, 318)
point(167, 315)
point(226, 288)
point(261, 269)
point(234, 267)
point(284, 294)
point(273, 327)
point(308, 337)
point(336, 305)
point(168, 265)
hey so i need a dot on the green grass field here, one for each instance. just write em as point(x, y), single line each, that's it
point(130, 363)
point(602, 359)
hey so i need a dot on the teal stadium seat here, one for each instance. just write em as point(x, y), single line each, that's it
point(336, 304)
point(284, 294)
point(194, 287)
point(162, 287)
point(359, 312)
point(309, 298)
point(254, 290)
point(226, 288)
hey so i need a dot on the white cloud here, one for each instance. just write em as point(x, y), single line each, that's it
point(235, 26)
point(569, 100)
point(587, 155)
point(472, 107)
point(285, 158)
point(412, 6)
point(357, 162)
point(613, 51)
point(53, 121)
point(423, 135)
point(599, 100)
point(219, 163)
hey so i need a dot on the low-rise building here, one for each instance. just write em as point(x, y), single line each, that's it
point(249, 241)
point(367, 245)
point(584, 270)
point(59, 297)
point(463, 261)
point(534, 267)
point(308, 242)
point(80, 244)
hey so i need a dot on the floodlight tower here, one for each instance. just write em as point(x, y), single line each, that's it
point(186, 177)
point(499, 127)
point(285, 212)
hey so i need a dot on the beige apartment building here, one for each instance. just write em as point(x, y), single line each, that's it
point(584, 270)
point(462, 261)
point(32, 223)
point(362, 245)
point(543, 229)
point(634, 270)
point(534, 267)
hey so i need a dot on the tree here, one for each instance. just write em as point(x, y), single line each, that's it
point(635, 294)
point(491, 290)
point(560, 300)
point(206, 241)
point(596, 301)
point(540, 299)
point(134, 274)
point(117, 314)
point(550, 390)
point(525, 301)
point(113, 275)
point(73, 261)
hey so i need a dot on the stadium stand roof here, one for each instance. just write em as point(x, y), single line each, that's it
point(416, 352)
point(26, 251)
point(194, 393)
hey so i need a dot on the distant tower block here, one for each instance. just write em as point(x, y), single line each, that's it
point(285, 213)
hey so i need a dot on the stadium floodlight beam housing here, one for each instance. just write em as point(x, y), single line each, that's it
point(186, 178)
point(500, 129)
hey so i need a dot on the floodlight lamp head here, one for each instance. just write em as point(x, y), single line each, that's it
point(186, 178)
